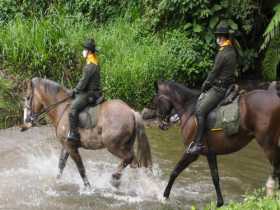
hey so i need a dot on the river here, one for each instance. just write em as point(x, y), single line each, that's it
point(28, 168)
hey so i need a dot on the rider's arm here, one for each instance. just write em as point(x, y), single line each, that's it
point(219, 62)
point(87, 73)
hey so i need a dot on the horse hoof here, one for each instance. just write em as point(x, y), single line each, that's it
point(116, 183)
point(220, 203)
point(116, 180)
point(166, 195)
point(87, 186)
point(116, 176)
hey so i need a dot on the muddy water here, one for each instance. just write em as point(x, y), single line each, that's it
point(28, 168)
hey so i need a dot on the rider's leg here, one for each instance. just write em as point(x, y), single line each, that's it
point(79, 103)
point(204, 105)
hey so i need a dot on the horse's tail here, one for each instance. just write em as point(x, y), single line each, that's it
point(144, 156)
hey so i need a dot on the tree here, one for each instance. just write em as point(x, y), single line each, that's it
point(272, 45)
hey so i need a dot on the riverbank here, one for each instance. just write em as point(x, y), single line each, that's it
point(29, 164)
point(252, 201)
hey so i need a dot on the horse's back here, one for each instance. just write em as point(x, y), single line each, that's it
point(116, 113)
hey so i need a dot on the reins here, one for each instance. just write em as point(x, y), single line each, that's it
point(34, 115)
point(49, 108)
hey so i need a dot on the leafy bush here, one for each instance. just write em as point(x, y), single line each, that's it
point(9, 103)
point(255, 200)
point(131, 60)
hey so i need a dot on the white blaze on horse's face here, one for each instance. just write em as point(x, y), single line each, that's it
point(26, 111)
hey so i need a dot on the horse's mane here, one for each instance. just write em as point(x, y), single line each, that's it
point(50, 86)
point(189, 95)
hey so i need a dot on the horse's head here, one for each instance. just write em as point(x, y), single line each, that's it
point(32, 104)
point(163, 104)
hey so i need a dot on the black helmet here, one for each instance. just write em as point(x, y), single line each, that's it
point(222, 29)
point(90, 45)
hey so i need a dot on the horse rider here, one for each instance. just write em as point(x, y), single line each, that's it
point(216, 84)
point(87, 91)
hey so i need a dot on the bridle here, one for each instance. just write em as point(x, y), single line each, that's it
point(34, 116)
point(164, 118)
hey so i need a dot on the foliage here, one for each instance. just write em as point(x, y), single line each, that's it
point(8, 103)
point(51, 47)
point(255, 200)
point(272, 42)
point(271, 60)
point(273, 29)
point(200, 18)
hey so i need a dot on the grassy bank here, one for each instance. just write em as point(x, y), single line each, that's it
point(131, 58)
point(253, 201)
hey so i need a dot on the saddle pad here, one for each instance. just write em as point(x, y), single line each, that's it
point(225, 117)
point(88, 117)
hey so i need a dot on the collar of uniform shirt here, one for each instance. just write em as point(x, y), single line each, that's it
point(226, 43)
point(92, 59)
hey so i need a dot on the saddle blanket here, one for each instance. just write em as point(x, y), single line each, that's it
point(225, 117)
point(88, 117)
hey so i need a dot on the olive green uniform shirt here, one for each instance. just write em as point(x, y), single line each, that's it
point(223, 72)
point(90, 83)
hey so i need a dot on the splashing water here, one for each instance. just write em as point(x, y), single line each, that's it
point(29, 165)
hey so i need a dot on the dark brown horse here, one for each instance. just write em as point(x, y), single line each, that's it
point(259, 119)
point(116, 127)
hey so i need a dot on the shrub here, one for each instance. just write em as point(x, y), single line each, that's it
point(130, 60)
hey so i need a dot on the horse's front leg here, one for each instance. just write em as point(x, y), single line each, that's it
point(64, 154)
point(75, 155)
point(212, 162)
point(181, 165)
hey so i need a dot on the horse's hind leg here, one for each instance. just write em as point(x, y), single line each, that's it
point(75, 155)
point(274, 158)
point(64, 154)
point(125, 162)
point(212, 162)
point(181, 165)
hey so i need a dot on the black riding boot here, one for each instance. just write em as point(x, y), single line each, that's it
point(73, 134)
point(198, 147)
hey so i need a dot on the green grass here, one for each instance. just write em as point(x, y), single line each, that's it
point(131, 59)
point(252, 201)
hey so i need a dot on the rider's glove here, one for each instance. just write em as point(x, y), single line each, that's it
point(205, 86)
point(74, 93)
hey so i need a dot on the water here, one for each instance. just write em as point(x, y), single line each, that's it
point(28, 168)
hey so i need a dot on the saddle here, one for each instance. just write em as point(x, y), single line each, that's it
point(226, 115)
point(88, 117)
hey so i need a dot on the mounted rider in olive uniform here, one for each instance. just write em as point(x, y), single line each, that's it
point(87, 91)
point(216, 84)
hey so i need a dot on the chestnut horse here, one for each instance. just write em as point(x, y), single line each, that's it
point(116, 128)
point(259, 119)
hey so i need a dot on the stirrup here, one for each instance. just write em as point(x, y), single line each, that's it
point(190, 146)
point(199, 145)
point(73, 136)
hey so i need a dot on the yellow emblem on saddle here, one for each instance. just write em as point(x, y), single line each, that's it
point(216, 129)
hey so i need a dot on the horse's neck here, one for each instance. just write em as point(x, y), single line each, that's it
point(181, 106)
point(56, 112)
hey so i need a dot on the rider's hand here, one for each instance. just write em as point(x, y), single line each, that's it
point(73, 93)
point(205, 86)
